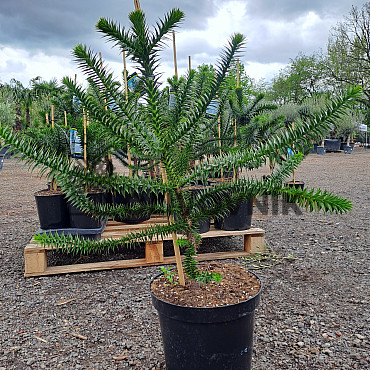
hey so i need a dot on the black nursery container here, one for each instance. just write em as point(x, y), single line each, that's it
point(81, 220)
point(130, 199)
point(321, 150)
point(216, 338)
point(238, 219)
point(332, 145)
point(52, 210)
point(291, 184)
point(204, 225)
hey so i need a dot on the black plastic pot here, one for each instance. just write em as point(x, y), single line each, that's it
point(5, 152)
point(81, 220)
point(205, 225)
point(238, 219)
point(343, 145)
point(321, 150)
point(348, 149)
point(207, 338)
point(91, 234)
point(52, 210)
point(296, 184)
point(107, 197)
point(332, 145)
point(131, 199)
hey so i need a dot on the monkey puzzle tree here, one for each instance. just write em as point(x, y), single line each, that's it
point(171, 139)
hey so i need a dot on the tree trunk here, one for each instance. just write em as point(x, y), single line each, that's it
point(18, 118)
point(28, 117)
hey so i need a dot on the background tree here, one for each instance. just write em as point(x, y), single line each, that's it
point(7, 107)
point(348, 60)
point(301, 79)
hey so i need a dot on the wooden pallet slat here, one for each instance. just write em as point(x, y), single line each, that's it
point(35, 256)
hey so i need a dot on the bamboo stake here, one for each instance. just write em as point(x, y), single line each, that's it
point(101, 68)
point(293, 149)
point(52, 116)
point(189, 63)
point(176, 248)
point(129, 158)
point(65, 119)
point(47, 118)
point(85, 139)
point(219, 144)
point(125, 74)
point(237, 73)
point(53, 183)
point(137, 5)
point(235, 126)
point(174, 52)
point(109, 157)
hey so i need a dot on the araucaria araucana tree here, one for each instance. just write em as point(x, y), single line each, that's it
point(172, 140)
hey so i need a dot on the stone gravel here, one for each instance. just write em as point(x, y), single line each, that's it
point(314, 311)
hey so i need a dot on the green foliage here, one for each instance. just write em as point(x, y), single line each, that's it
point(205, 277)
point(304, 77)
point(47, 137)
point(168, 274)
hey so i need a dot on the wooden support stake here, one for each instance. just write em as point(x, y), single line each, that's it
point(129, 158)
point(52, 116)
point(176, 248)
point(125, 74)
point(65, 119)
point(85, 139)
point(189, 63)
point(137, 5)
point(219, 144)
point(174, 52)
point(235, 125)
point(237, 73)
point(101, 68)
point(47, 118)
point(293, 149)
point(109, 157)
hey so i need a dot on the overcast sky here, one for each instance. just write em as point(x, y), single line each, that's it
point(37, 36)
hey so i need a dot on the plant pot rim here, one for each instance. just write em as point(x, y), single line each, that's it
point(205, 308)
point(206, 315)
point(42, 193)
point(294, 182)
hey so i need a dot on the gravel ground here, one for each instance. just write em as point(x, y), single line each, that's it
point(314, 311)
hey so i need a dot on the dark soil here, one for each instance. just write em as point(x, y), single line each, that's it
point(314, 310)
point(236, 285)
point(49, 192)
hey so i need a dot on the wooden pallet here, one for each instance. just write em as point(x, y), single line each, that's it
point(36, 262)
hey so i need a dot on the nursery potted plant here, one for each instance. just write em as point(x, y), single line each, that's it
point(51, 203)
point(97, 145)
point(244, 127)
point(193, 332)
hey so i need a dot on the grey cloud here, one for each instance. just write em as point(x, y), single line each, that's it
point(290, 9)
point(44, 24)
point(14, 67)
point(55, 27)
